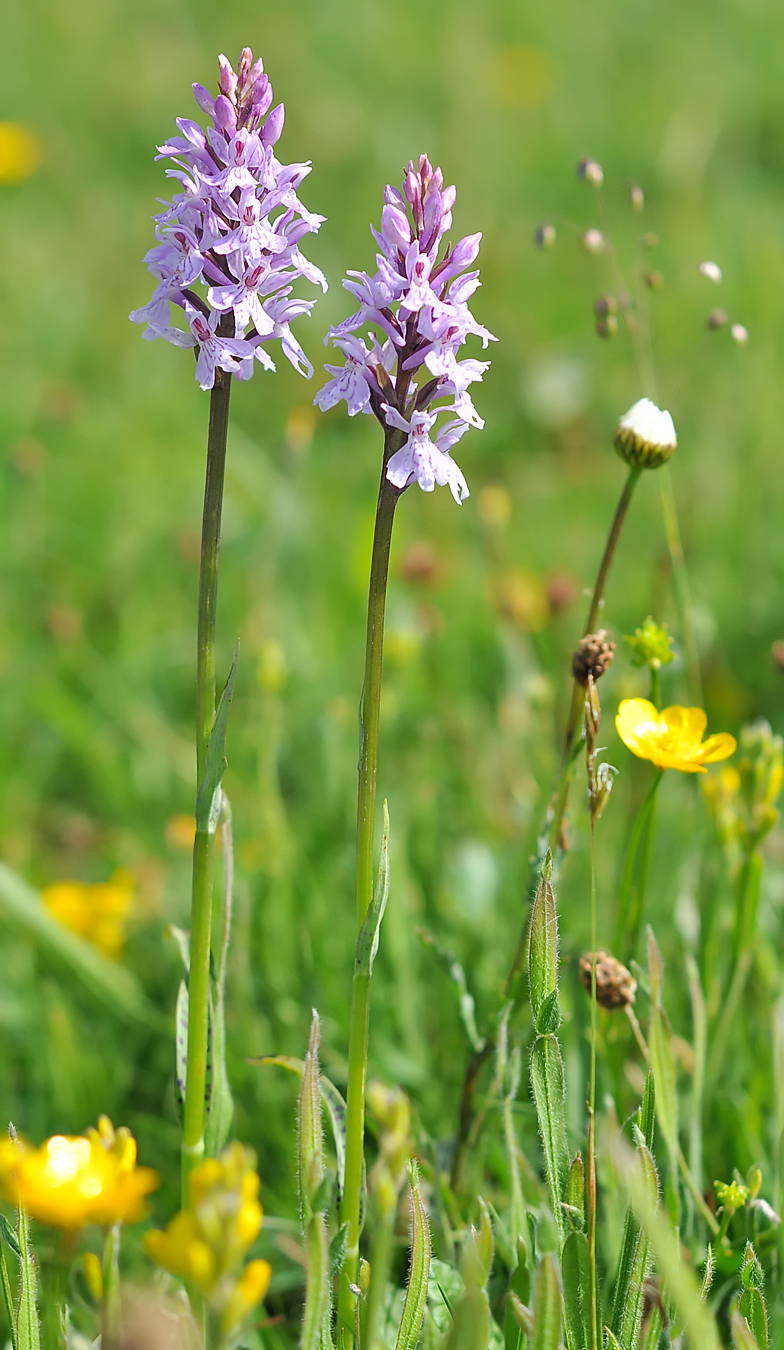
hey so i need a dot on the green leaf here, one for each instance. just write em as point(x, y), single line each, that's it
point(181, 1043)
point(369, 933)
point(575, 1188)
point(547, 1305)
point(547, 1082)
point(318, 1292)
point(743, 1337)
point(543, 941)
point(576, 1271)
point(183, 941)
point(335, 1104)
point(107, 980)
point(419, 1272)
point(652, 1330)
point(476, 1260)
point(752, 1307)
point(208, 797)
point(662, 1057)
point(337, 1250)
point(10, 1236)
point(470, 1328)
point(27, 1329)
point(522, 1315)
point(221, 1107)
point(708, 1273)
point(549, 1018)
point(648, 1109)
point(634, 1262)
point(310, 1135)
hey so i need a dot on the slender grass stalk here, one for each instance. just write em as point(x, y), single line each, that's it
point(366, 815)
point(110, 1322)
point(749, 882)
point(576, 705)
point(681, 585)
point(634, 883)
point(594, 1279)
point(204, 844)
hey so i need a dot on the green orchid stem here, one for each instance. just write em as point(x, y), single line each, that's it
point(576, 706)
point(204, 843)
point(634, 883)
point(681, 585)
point(749, 883)
point(366, 817)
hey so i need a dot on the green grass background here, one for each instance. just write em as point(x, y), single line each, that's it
point(102, 450)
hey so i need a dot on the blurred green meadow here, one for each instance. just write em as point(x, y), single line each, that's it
point(102, 438)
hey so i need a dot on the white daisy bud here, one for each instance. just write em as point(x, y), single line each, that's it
point(645, 436)
point(740, 333)
point(593, 240)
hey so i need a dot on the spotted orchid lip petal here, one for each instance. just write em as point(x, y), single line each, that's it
point(238, 211)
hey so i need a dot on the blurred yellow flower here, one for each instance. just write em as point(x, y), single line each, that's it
point(96, 912)
point(671, 739)
point(74, 1180)
point(207, 1243)
point(181, 832)
point(20, 152)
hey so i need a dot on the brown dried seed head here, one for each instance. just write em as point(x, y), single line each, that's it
point(717, 319)
point(593, 657)
point(615, 985)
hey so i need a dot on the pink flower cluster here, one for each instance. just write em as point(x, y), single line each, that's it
point(234, 229)
point(420, 305)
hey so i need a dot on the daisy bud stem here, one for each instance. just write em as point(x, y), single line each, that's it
point(370, 708)
point(578, 693)
point(204, 843)
point(681, 586)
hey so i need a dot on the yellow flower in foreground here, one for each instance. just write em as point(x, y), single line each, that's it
point(74, 1180)
point(20, 152)
point(97, 913)
point(207, 1243)
point(671, 739)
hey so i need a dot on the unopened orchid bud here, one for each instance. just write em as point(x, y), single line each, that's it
point(717, 319)
point(204, 98)
point(712, 271)
point(395, 227)
point(739, 334)
point(590, 172)
point(448, 198)
point(257, 70)
point(636, 197)
point(273, 126)
point(645, 436)
point(225, 115)
point(227, 80)
point(544, 236)
point(653, 280)
point(394, 198)
point(593, 240)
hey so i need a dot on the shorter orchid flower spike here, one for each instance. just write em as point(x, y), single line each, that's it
point(406, 371)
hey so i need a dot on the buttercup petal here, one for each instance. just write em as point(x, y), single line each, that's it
point(719, 746)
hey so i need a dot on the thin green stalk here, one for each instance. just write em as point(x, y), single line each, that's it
point(594, 1279)
point(366, 816)
point(749, 883)
point(110, 1321)
point(656, 687)
point(578, 693)
point(681, 584)
point(380, 1262)
point(634, 882)
point(8, 1298)
point(204, 844)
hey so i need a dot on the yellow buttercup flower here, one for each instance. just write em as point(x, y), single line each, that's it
point(20, 152)
point(671, 739)
point(98, 913)
point(72, 1180)
point(207, 1243)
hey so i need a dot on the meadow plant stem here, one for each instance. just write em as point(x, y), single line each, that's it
point(634, 883)
point(681, 585)
point(749, 883)
point(204, 843)
point(595, 1311)
point(578, 694)
point(366, 815)
point(110, 1322)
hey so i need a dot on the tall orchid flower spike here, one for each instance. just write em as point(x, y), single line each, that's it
point(227, 257)
point(234, 230)
point(417, 299)
point(671, 739)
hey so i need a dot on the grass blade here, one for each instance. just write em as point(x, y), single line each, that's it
point(547, 1305)
point(576, 1272)
point(547, 1082)
point(27, 1328)
point(543, 942)
point(419, 1273)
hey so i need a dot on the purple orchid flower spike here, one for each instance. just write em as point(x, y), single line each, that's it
point(234, 229)
point(418, 299)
